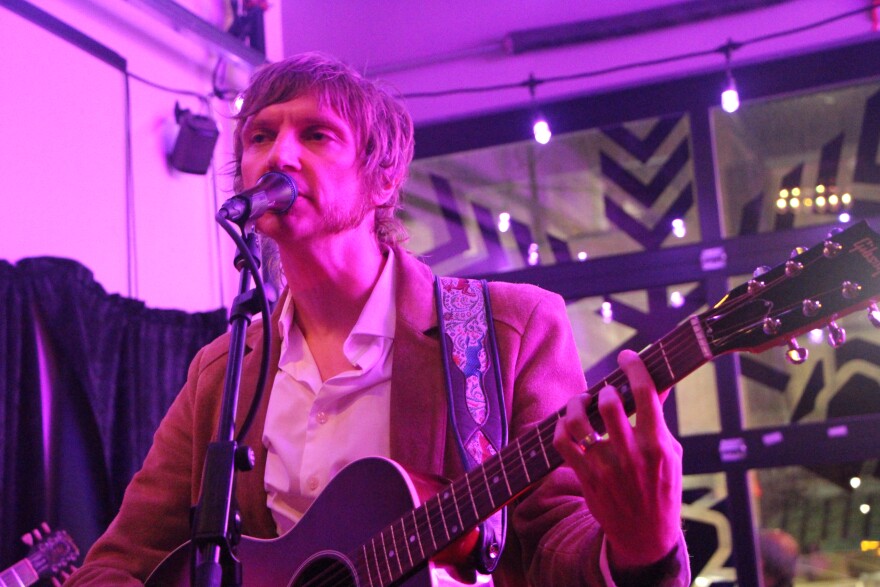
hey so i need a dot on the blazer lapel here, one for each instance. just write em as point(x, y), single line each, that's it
point(249, 486)
point(418, 396)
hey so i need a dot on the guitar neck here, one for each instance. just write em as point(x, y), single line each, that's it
point(419, 535)
point(21, 574)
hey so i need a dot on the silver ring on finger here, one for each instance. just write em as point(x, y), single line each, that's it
point(589, 440)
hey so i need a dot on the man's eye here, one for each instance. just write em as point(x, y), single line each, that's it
point(320, 135)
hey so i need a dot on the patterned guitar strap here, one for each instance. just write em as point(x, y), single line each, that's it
point(473, 381)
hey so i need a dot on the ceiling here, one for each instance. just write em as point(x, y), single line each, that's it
point(428, 46)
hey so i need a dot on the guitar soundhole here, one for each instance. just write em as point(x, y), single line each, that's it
point(326, 571)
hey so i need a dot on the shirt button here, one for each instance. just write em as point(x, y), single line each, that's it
point(322, 417)
point(312, 483)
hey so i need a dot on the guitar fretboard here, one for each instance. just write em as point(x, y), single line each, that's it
point(417, 536)
point(20, 574)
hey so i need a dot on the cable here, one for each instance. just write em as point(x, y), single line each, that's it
point(203, 97)
point(726, 48)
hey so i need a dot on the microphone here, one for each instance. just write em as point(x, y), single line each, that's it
point(274, 192)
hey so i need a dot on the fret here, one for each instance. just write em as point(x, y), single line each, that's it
point(668, 368)
point(486, 482)
point(543, 449)
point(666, 360)
point(515, 477)
point(406, 541)
point(440, 498)
point(20, 574)
point(504, 474)
point(523, 461)
point(471, 511)
point(366, 564)
point(387, 556)
point(430, 525)
point(395, 552)
point(470, 493)
point(536, 457)
point(455, 530)
point(497, 483)
point(376, 561)
point(417, 534)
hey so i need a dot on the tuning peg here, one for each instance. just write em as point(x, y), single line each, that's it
point(831, 248)
point(760, 270)
point(795, 354)
point(797, 251)
point(755, 285)
point(811, 307)
point(850, 290)
point(792, 268)
point(833, 232)
point(771, 325)
point(874, 314)
point(836, 334)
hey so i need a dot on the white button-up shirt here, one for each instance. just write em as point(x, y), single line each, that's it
point(314, 428)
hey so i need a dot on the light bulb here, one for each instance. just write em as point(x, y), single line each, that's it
point(541, 129)
point(504, 222)
point(730, 97)
point(678, 228)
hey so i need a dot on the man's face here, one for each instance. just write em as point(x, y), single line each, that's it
point(318, 150)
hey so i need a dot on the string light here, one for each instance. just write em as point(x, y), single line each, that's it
point(582, 256)
point(534, 254)
point(540, 126)
point(504, 222)
point(678, 228)
point(821, 199)
point(676, 300)
point(541, 129)
point(730, 95)
point(607, 312)
point(639, 64)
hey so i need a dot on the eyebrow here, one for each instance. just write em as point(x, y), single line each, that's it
point(261, 117)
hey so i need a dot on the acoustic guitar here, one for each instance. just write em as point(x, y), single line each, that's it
point(371, 527)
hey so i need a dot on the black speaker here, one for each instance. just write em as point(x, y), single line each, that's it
point(195, 142)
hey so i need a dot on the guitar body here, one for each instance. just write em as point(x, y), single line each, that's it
point(357, 504)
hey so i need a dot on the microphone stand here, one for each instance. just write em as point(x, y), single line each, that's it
point(216, 523)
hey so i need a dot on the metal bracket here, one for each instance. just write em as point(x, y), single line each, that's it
point(732, 449)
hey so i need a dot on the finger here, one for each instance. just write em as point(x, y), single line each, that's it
point(566, 444)
point(650, 413)
point(574, 432)
point(576, 419)
point(614, 416)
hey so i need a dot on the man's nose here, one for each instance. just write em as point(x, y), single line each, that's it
point(286, 152)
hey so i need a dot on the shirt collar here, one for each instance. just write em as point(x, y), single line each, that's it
point(378, 315)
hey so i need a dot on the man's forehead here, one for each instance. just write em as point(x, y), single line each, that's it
point(305, 105)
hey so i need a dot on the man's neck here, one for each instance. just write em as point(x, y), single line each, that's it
point(329, 287)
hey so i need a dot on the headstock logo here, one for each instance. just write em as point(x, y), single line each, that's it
point(867, 249)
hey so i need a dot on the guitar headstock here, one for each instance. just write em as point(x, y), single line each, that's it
point(52, 552)
point(812, 289)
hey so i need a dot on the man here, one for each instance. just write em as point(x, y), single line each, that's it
point(358, 369)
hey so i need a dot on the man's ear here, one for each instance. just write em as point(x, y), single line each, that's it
point(381, 198)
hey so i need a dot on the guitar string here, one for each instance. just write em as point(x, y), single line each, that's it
point(678, 345)
point(536, 438)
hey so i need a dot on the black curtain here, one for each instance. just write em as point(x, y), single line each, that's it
point(114, 366)
point(22, 483)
